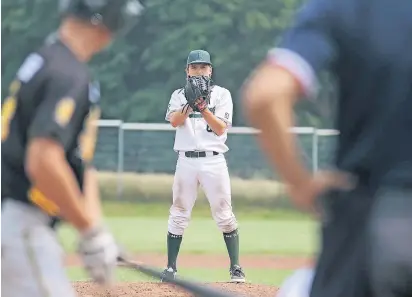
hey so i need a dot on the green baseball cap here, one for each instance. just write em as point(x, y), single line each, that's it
point(199, 56)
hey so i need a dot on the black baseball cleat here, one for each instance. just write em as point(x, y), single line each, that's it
point(237, 275)
point(169, 273)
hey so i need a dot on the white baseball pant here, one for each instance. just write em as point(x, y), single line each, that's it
point(212, 174)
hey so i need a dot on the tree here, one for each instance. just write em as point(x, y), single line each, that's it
point(138, 72)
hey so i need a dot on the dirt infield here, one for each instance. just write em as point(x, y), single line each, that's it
point(85, 289)
point(156, 289)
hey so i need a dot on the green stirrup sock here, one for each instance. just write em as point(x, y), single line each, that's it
point(232, 244)
point(173, 246)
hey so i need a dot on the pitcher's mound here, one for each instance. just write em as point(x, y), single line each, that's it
point(156, 289)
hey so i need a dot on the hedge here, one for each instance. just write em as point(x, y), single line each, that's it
point(157, 188)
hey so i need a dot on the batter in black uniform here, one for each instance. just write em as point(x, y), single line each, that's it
point(366, 206)
point(48, 140)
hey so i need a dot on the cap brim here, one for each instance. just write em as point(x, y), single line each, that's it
point(199, 62)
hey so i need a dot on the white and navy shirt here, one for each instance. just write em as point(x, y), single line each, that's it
point(195, 134)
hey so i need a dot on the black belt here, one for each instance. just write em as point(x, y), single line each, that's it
point(194, 154)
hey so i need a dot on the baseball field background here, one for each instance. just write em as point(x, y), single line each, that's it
point(274, 242)
point(135, 157)
point(136, 163)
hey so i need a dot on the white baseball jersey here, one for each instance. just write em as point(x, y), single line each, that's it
point(195, 134)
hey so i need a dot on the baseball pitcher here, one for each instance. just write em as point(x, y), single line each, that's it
point(201, 112)
point(48, 139)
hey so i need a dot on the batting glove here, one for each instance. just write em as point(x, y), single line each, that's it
point(99, 253)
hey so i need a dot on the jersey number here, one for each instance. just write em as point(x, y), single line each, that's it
point(208, 129)
point(8, 110)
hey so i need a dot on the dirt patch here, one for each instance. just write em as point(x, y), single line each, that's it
point(157, 289)
point(86, 289)
point(214, 261)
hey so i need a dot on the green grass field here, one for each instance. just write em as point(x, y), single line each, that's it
point(261, 233)
point(257, 276)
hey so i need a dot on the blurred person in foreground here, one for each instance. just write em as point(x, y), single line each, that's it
point(48, 139)
point(297, 284)
point(366, 204)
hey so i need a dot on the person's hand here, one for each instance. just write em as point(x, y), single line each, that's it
point(99, 253)
point(201, 104)
point(304, 194)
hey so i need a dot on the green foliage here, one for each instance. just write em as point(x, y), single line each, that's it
point(139, 72)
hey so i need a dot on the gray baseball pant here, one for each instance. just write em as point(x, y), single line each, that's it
point(32, 258)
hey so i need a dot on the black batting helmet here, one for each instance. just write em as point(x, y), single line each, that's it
point(117, 15)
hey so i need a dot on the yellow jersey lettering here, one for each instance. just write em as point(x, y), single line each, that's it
point(88, 137)
point(8, 109)
point(38, 199)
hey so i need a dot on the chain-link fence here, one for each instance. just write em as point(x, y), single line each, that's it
point(148, 149)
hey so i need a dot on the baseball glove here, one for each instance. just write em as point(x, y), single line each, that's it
point(197, 92)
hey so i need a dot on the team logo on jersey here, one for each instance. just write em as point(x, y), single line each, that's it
point(64, 111)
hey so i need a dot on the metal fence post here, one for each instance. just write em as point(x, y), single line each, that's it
point(120, 161)
point(315, 151)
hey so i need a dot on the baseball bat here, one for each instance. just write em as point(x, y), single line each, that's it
point(195, 288)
